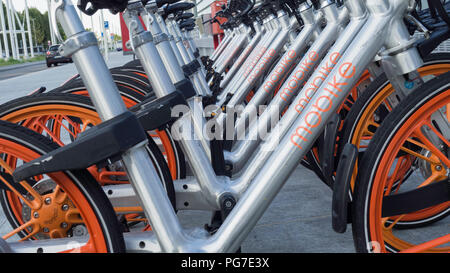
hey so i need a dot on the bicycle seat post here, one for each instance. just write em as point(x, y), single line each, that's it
point(195, 74)
point(161, 41)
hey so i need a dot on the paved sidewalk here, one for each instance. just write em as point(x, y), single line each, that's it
point(297, 221)
point(49, 78)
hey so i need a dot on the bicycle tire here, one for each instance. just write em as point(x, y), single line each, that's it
point(375, 165)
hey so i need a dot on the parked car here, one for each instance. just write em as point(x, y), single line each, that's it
point(53, 56)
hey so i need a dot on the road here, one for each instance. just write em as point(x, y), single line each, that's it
point(23, 80)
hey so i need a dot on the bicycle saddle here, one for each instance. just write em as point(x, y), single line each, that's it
point(184, 16)
point(175, 8)
point(187, 24)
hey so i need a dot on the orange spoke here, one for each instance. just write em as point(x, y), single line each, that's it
point(54, 138)
point(26, 201)
point(85, 124)
point(59, 121)
point(430, 179)
point(127, 209)
point(432, 148)
point(36, 203)
point(58, 195)
point(447, 110)
point(441, 137)
point(346, 107)
point(137, 220)
point(394, 176)
point(73, 216)
point(394, 222)
point(418, 155)
point(388, 105)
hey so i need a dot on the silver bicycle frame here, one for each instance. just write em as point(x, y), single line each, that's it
point(373, 35)
point(245, 53)
point(160, 40)
point(241, 41)
point(271, 30)
point(262, 65)
point(242, 149)
point(197, 78)
point(229, 35)
point(288, 60)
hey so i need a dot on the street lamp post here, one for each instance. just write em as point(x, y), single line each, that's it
point(52, 35)
point(11, 30)
point(34, 31)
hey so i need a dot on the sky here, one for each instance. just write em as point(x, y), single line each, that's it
point(113, 20)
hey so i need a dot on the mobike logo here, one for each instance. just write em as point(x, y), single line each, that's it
point(314, 84)
point(265, 60)
point(323, 104)
point(255, 61)
point(279, 71)
point(186, 44)
point(231, 55)
point(297, 77)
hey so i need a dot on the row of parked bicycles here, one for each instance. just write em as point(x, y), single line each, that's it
point(350, 89)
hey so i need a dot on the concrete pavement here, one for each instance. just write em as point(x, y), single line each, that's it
point(298, 220)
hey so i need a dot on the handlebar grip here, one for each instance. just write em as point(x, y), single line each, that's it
point(185, 15)
point(179, 7)
point(188, 21)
